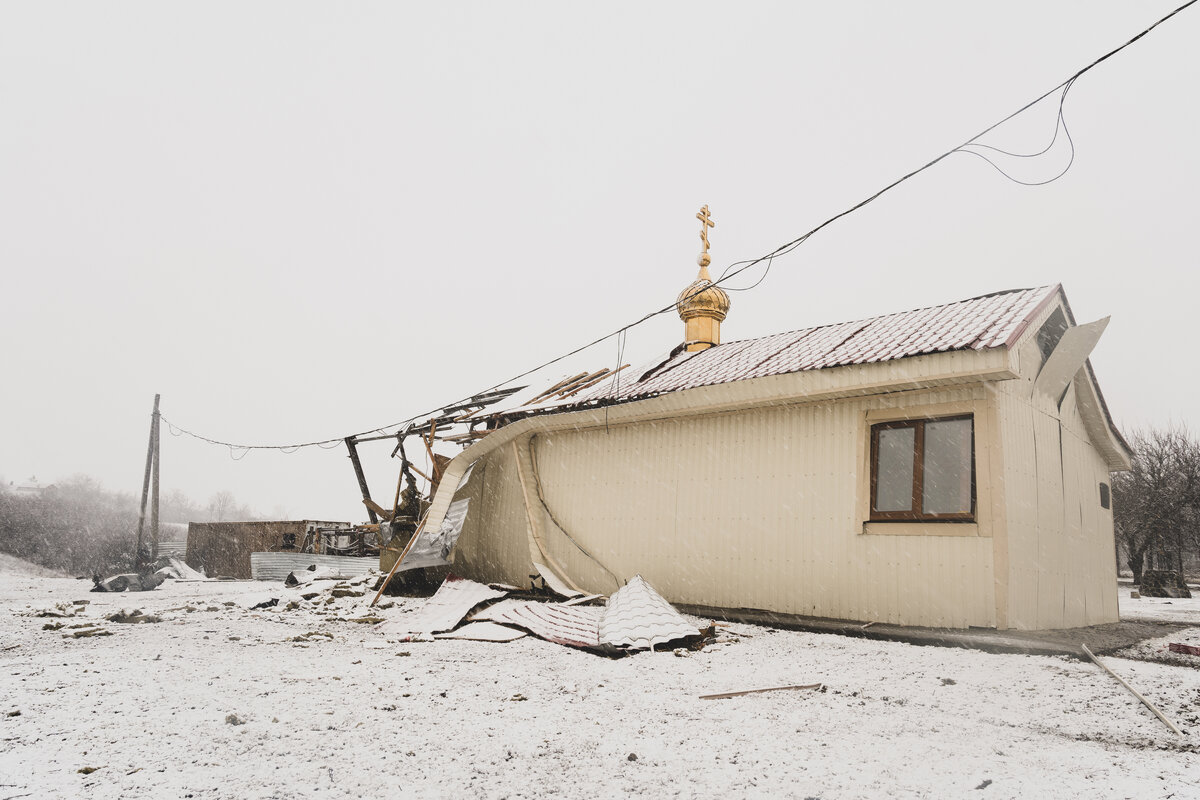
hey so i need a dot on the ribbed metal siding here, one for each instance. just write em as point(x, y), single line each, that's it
point(756, 509)
point(824, 573)
point(1061, 571)
point(276, 566)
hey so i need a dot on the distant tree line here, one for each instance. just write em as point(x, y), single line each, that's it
point(80, 528)
point(1156, 505)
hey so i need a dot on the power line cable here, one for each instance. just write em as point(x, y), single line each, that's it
point(1060, 125)
point(738, 267)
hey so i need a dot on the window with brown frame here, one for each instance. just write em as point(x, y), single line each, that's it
point(923, 470)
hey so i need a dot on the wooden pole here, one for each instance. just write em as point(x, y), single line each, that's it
point(155, 428)
point(399, 485)
point(137, 559)
point(1133, 691)
point(351, 445)
point(724, 695)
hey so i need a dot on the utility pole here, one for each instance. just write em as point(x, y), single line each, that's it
point(140, 562)
point(154, 422)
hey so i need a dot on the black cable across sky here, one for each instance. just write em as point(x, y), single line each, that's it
point(738, 267)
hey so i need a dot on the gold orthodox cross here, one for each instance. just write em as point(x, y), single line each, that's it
point(705, 223)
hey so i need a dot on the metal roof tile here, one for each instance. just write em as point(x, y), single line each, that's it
point(977, 323)
point(638, 618)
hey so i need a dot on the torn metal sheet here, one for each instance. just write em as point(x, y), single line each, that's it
point(452, 601)
point(574, 626)
point(553, 582)
point(483, 632)
point(1068, 358)
point(637, 617)
point(583, 599)
point(495, 610)
point(432, 546)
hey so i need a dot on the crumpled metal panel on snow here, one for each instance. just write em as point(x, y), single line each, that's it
point(483, 632)
point(637, 618)
point(442, 612)
point(574, 626)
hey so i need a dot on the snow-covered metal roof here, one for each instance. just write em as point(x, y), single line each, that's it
point(979, 323)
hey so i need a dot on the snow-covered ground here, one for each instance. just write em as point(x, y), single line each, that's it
point(10, 565)
point(1160, 609)
point(220, 701)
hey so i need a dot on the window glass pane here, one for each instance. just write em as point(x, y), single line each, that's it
point(894, 479)
point(947, 476)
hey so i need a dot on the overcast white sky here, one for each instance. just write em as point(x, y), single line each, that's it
point(302, 220)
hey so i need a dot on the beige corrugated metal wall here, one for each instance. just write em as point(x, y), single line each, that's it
point(754, 509)
point(764, 507)
point(1062, 564)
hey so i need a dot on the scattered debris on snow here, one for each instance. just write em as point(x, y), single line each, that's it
point(133, 617)
point(86, 632)
point(129, 581)
point(60, 610)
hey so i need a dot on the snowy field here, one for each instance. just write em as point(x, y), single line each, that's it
point(221, 701)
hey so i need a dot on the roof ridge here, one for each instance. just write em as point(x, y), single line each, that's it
point(865, 320)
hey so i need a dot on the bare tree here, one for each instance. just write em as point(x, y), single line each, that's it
point(221, 506)
point(178, 507)
point(1156, 503)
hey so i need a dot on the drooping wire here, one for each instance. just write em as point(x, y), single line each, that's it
point(615, 386)
point(172, 427)
point(737, 268)
point(1060, 124)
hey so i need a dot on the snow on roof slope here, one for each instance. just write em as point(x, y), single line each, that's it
point(979, 323)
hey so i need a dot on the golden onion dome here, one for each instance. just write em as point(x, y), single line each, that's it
point(701, 298)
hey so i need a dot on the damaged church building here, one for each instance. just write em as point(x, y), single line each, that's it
point(943, 467)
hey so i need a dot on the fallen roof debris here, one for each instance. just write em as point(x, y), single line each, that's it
point(179, 570)
point(453, 600)
point(636, 618)
point(574, 626)
point(129, 581)
point(554, 583)
point(483, 632)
